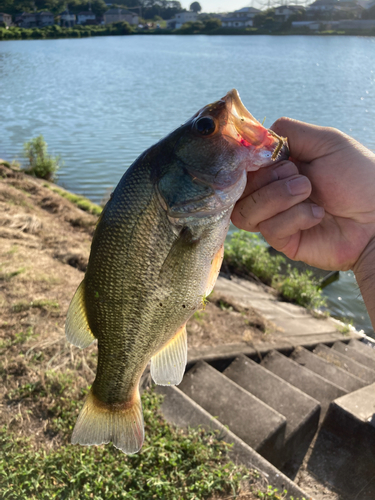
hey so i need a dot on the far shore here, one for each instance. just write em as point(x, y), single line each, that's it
point(112, 30)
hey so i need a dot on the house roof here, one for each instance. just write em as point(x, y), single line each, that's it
point(86, 13)
point(248, 10)
point(45, 13)
point(321, 3)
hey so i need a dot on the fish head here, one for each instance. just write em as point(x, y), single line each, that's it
point(214, 151)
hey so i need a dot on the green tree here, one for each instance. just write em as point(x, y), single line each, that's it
point(195, 7)
point(41, 164)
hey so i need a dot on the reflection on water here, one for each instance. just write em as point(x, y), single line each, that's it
point(100, 102)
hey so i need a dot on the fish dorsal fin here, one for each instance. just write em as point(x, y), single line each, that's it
point(168, 365)
point(77, 328)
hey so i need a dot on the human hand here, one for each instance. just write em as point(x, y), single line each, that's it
point(330, 219)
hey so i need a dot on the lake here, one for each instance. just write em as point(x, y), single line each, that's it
point(99, 102)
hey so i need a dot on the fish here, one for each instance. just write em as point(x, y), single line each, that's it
point(155, 256)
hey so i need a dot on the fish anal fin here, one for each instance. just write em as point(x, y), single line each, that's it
point(215, 269)
point(100, 423)
point(168, 365)
point(77, 328)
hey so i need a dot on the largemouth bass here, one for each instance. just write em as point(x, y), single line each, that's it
point(155, 256)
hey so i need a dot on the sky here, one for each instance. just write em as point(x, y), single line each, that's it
point(221, 5)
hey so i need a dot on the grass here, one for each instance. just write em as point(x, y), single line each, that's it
point(245, 254)
point(12, 274)
point(18, 338)
point(81, 202)
point(171, 465)
point(40, 304)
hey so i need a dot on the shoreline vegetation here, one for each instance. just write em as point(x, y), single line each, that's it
point(123, 28)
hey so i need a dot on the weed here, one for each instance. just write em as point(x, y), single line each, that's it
point(225, 306)
point(19, 338)
point(81, 202)
point(8, 276)
point(199, 316)
point(40, 304)
point(298, 287)
point(245, 254)
point(41, 164)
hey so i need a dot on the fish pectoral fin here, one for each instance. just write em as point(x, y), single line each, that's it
point(101, 423)
point(215, 270)
point(168, 365)
point(77, 329)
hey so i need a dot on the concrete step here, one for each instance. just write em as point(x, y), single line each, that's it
point(180, 410)
point(250, 419)
point(326, 370)
point(352, 353)
point(344, 452)
point(363, 347)
point(307, 381)
point(344, 362)
point(300, 410)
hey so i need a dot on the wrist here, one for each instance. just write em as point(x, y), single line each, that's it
point(364, 270)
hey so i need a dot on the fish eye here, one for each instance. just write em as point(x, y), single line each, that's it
point(205, 125)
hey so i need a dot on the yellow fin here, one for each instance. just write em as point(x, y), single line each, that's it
point(77, 329)
point(215, 269)
point(100, 423)
point(168, 365)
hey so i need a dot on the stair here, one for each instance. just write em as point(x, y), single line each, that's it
point(312, 407)
point(345, 363)
point(352, 353)
point(327, 370)
point(250, 419)
point(300, 410)
point(363, 348)
point(307, 381)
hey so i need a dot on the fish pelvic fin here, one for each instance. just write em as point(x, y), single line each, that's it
point(77, 329)
point(168, 365)
point(100, 423)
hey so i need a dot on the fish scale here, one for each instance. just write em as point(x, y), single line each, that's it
point(155, 255)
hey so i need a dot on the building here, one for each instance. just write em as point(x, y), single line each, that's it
point(6, 19)
point(45, 19)
point(83, 17)
point(185, 17)
point(26, 20)
point(322, 6)
point(241, 18)
point(67, 19)
point(117, 15)
point(284, 12)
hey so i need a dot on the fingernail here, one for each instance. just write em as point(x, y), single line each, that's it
point(300, 185)
point(317, 211)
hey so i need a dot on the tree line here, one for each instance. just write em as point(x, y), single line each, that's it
point(147, 9)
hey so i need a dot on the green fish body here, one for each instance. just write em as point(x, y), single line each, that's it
point(155, 256)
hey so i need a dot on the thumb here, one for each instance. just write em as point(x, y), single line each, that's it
point(308, 142)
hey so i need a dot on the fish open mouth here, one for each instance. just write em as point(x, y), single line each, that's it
point(247, 131)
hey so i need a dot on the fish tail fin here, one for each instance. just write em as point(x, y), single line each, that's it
point(100, 423)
